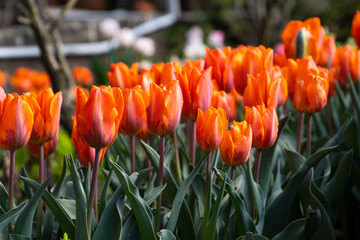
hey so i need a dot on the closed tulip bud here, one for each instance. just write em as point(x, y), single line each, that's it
point(303, 38)
point(226, 101)
point(347, 61)
point(16, 121)
point(122, 76)
point(264, 124)
point(328, 51)
point(157, 70)
point(98, 115)
point(49, 146)
point(134, 116)
point(236, 145)
point(210, 128)
point(221, 62)
point(165, 106)
point(169, 72)
point(46, 107)
point(355, 28)
point(196, 89)
point(82, 76)
point(283, 91)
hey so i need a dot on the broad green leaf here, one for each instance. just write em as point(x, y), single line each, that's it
point(199, 190)
point(87, 181)
point(69, 205)
point(165, 234)
point(355, 96)
point(250, 236)
point(339, 135)
point(19, 237)
point(4, 197)
point(153, 194)
point(6, 218)
point(256, 192)
point(28, 190)
point(341, 96)
point(295, 159)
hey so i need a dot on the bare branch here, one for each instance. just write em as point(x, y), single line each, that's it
point(55, 22)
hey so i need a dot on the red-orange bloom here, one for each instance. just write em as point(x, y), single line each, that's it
point(250, 61)
point(165, 106)
point(210, 128)
point(49, 146)
point(16, 121)
point(226, 101)
point(303, 38)
point(46, 107)
point(196, 89)
point(82, 76)
point(3, 78)
point(39, 80)
point(328, 51)
point(134, 117)
point(264, 124)
point(355, 28)
point(199, 64)
point(169, 72)
point(98, 115)
point(236, 145)
point(221, 62)
point(26, 79)
point(347, 61)
point(122, 76)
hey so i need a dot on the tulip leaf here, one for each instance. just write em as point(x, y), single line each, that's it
point(81, 231)
point(103, 199)
point(4, 197)
point(355, 96)
point(6, 218)
point(139, 207)
point(153, 194)
point(293, 231)
point(341, 96)
point(339, 135)
point(199, 190)
point(255, 191)
point(276, 214)
point(130, 228)
point(165, 234)
point(27, 188)
point(24, 224)
point(295, 159)
point(250, 236)
point(180, 195)
point(87, 181)
point(65, 222)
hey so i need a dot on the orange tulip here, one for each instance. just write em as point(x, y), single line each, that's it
point(134, 116)
point(355, 28)
point(236, 145)
point(122, 76)
point(250, 61)
point(39, 80)
point(264, 124)
point(82, 76)
point(26, 79)
point(280, 59)
point(3, 78)
point(199, 64)
point(210, 128)
point(16, 121)
point(169, 72)
point(196, 89)
point(165, 106)
point(303, 38)
point(85, 153)
point(311, 93)
point(347, 61)
point(46, 107)
point(226, 101)
point(157, 70)
point(98, 115)
point(283, 92)
point(221, 62)
point(49, 146)
point(328, 51)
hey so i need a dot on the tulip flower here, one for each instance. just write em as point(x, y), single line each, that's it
point(226, 101)
point(169, 72)
point(327, 52)
point(122, 76)
point(303, 38)
point(355, 28)
point(199, 64)
point(157, 70)
point(3, 78)
point(250, 61)
point(49, 147)
point(347, 61)
point(82, 76)
point(221, 62)
point(236, 145)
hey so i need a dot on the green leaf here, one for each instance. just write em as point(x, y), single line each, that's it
point(341, 96)
point(81, 231)
point(153, 194)
point(255, 191)
point(141, 209)
point(339, 135)
point(275, 216)
point(28, 190)
point(87, 181)
point(295, 159)
point(165, 234)
point(69, 205)
point(6, 218)
point(355, 96)
point(24, 224)
point(250, 236)
point(4, 197)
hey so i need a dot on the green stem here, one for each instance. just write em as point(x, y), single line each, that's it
point(300, 131)
point(177, 158)
point(42, 179)
point(11, 185)
point(228, 209)
point(132, 150)
point(257, 165)
point(160, 182)
point(192, 142)
point(308, 134)
point(93, 185)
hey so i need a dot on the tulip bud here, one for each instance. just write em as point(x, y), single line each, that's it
point(355, 28)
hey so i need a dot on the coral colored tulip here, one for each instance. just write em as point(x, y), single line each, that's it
point(303, 38)
point(85, 153)
point(122, 76)
point(16, 121)
point(82, 76)
point(98, 115)
point(157, 70)
point(311, 93)
point(199, 64)
point(165, 106)
point(3, 78)
point(250, 61)
point(283, 91)
point(196, 89)
point(221, 62)
point(264, 124)
point(280, 60)
point(210, 128)
point(49, 146)
point(236, 145)
point(46, 107)
point(39, 80)
point(134, 116)
point(355, 28)
point(328, 51)
point(26, 79)
point(169, 72)
point(347, 61)
point(226, 101)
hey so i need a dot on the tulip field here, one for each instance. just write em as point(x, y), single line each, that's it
point(245, 143)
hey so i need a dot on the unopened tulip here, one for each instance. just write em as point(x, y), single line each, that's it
point(226, 101)
point(347, 62)
point(355, 28)
point(236, 145)
point(328, 51)
point(169, 72)
point(82, 76)
point(49, 146)
point(264, 124)
point(210, 128)
point(122, 76)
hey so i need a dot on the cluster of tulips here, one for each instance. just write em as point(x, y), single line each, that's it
point(206, 94)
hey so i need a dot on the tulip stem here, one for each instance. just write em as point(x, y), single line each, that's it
point(300, 131)
point(92, 188)
point(207, 177)
point(160, 182)
point(329, 117)
point(193, 142)
point(228, 209)
point(308, 134)
point(148, 160)
point(42, 179)
point(132, 149)
point(257, 164)
point(177, 158)
point(11, 185)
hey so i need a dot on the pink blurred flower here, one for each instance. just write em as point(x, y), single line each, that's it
point(216, 39)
